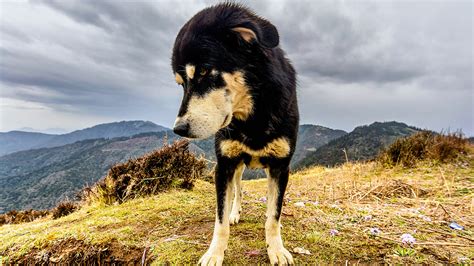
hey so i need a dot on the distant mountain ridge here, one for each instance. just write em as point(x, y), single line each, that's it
point(20, 140)
point(39, 178)
point(52, 131)
point(363, 143)
point(14, 141)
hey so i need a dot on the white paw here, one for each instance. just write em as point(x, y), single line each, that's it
point(234, 218)
point(211, 258)
point(279, 256)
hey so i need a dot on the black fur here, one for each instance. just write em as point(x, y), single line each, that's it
point(207, 41)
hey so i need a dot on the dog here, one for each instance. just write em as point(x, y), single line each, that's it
point(239, 86)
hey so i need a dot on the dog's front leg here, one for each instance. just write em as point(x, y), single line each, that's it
point(277, 181)
point(237, 203)
point(224, 189)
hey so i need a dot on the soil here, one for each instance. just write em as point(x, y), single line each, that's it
point(73, 252)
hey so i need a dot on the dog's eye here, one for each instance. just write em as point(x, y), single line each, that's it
point(203, 72)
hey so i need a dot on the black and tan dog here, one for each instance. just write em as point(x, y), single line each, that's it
point(239, 86)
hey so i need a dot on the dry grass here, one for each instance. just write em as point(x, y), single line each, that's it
point(176, 227)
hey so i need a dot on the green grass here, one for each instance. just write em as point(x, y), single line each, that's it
point(176, 227)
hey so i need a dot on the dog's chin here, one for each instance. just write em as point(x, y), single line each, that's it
point(205, 135)
point(201, 135)
point(195, 137)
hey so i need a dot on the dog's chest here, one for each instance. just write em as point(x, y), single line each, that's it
point(277, 148)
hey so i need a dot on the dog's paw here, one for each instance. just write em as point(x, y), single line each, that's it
point(279, 256)
point(211, 258)
point(234, 218)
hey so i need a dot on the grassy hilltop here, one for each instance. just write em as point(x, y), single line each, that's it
point(354, 213)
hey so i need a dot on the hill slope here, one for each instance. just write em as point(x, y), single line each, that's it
point(176, 227)
point(363, 143)
point(311, 137)
point(42, 177)
point(17, 140)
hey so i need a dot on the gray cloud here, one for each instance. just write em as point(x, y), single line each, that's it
point(357, 61)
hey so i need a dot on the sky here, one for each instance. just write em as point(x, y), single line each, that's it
point(67, 65)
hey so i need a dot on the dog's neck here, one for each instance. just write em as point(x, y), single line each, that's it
point(266, 121)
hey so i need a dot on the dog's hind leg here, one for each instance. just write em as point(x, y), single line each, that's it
point(277, 181)
point(224, 189)
point(237, 203)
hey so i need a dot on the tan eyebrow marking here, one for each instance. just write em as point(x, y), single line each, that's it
point(178, 79)
point(190, 69)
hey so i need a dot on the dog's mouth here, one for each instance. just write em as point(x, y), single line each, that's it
point(226, 121)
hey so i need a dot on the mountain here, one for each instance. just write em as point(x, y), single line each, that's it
point(311, 137)
point(110, 130)
point(363, 143)
point(55, 130)
point(18, 140)
point(40, 178)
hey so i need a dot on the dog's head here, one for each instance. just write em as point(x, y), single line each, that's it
point(211, 56)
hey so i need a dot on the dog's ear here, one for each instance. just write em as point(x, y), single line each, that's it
point(260, 30)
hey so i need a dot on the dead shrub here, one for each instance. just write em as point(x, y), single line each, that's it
point(173, 166)
point(424, 145)
point(64, 208)
point(16, 217)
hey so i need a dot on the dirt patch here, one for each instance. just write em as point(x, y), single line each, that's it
point(73, 251)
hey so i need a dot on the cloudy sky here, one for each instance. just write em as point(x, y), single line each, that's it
point(73, 64)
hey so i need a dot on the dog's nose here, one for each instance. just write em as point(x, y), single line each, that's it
point(182, 129)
